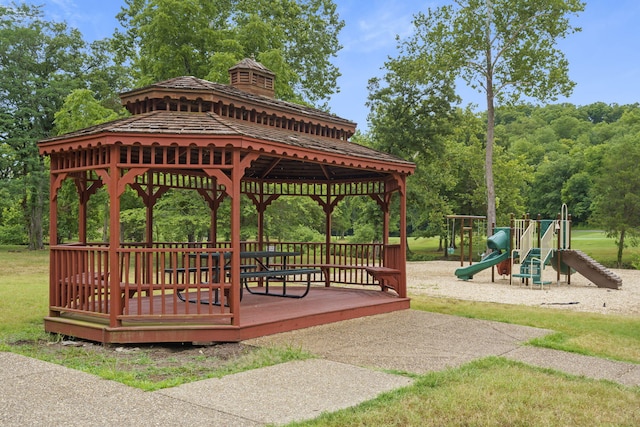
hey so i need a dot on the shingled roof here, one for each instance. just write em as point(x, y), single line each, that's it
point(204, 88)
point(184, 123)
point(305, 143)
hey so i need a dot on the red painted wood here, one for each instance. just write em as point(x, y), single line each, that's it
point(261, 315)
point(220, 142)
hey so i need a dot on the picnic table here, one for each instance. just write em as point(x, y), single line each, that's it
point(263, 272)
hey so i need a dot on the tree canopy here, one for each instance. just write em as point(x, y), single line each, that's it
point(41, 63)
point(505, 49)
point(295, 39)
point(53, 82)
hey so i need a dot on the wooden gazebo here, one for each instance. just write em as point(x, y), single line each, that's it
point(221, 141)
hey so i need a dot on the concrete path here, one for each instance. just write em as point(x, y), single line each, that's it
point(352, 355)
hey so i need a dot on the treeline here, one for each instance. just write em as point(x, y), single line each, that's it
point(585, 156)
point(52, 82)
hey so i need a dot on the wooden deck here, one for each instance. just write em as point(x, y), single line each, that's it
point(260, 315)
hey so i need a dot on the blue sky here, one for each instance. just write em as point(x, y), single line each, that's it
point(604, 58)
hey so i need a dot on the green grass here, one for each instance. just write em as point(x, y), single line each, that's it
point(598, 246)
point(491, 391)
point(140, 369)
point(24, 291)
point(495, 392)
point(608, 336)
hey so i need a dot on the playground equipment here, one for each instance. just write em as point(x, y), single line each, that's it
point(468, 225)
point(499, 243)
point(534, 244)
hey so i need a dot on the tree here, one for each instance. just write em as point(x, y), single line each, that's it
point(412, 116)
point(41, 63)
point(294, 38)
point(616, 191)
point(81, 110)
point(505, 49)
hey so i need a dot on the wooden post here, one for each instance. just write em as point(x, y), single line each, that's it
point(53, 241)
point(114, 238)
point(236, 283)
point(470, 230)
point(461, 242)
point(327, 207)
point(83, 198)
point(402, 281)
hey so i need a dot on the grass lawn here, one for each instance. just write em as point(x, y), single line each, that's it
point(593, 334)
point(488, 392)
point(24, 291)
point(494, 392)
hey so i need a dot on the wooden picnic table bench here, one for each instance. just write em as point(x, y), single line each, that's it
point(387, 277)
point(278, 275)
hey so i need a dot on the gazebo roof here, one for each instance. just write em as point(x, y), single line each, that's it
point(294, 142)
point(271, 141)
point(204, 89)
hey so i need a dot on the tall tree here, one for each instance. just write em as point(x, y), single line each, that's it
point(41, 63)
point(411, 116)
point(505, 49)
point(294, 38)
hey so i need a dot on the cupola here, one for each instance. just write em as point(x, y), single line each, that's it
point(251, 76)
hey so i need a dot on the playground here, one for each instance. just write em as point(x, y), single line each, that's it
point(524, 249)
point(437, 279)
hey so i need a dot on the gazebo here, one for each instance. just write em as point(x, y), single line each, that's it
point(221, 142)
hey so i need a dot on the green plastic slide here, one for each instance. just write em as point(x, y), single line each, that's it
point(499, 242)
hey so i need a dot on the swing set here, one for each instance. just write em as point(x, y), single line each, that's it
point(468, 225)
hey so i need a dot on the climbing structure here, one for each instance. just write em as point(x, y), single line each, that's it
point(538, 243)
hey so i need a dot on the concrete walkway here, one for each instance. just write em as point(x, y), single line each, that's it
point(352, 354)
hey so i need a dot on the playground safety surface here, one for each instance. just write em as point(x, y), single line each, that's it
point(351, 354)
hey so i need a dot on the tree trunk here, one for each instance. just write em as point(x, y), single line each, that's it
point(106, 222)
point(491, 191)
point(488, 171)
point(35, 228)
point(36, 209)
point(620, 247)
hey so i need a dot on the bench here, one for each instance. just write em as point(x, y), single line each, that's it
point(207, 301)
point(387, 277)
point(279, 276)
point(181, 271)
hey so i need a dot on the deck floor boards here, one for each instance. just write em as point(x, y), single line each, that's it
point(259, 314)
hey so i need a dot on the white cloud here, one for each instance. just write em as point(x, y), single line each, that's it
point(376, 31)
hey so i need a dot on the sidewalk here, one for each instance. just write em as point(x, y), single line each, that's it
point(352, 354)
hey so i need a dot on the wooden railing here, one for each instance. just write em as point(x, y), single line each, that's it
point(173, 275)
point(78, 276)
point(172, 272)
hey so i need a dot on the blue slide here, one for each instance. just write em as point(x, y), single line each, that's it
point(499, 242)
